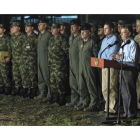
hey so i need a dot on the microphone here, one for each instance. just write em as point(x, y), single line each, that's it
point(110, 45)
point(127, 42)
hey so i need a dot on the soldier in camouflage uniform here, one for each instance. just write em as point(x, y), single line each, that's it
point(120, 24)
point(137, 39)
point(115, 29)
point(63, 30)
point(87, 74)
point(42, 61)
point(94, 29)
point(74, 62)
point(28, 67)
point(57, 56)
point(5, 84)
point(17, 41)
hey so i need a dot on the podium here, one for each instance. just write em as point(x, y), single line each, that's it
point(103, 63)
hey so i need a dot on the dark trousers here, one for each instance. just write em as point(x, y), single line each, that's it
point(128, 90)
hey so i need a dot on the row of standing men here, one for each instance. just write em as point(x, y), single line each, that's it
point(47, 56)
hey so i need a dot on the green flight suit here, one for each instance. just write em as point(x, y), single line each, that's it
point(74, 67)
point(87, 74)
point(43, 71)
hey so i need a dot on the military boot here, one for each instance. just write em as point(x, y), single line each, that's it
point(2, 90)
point(81, 108)
point(23, 93)
point(32, 92)
point(62, 100)
point(90, 109)
point(7, 90)
point(16, 91)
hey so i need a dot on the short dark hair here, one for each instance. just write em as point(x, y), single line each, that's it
point(110, 24)
point(129, 27)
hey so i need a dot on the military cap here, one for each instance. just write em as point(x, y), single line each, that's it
point(101, 25)
point(29, 24)
point(74, 21)
point(86, 26)
point(93, 24)
point(55, 25)
point(115, 23)
point(2, 26)
point(138, 21)
point(16, 23)
point(63, 23)
point(122, 22)
point(43, 21)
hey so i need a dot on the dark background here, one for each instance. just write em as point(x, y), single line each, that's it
point(7, 19)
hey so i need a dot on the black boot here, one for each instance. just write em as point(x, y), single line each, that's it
point(2, 90)
point(15, 92)
point(7, 90)
point(32, 92)
point(23, 93)
point(62, 100)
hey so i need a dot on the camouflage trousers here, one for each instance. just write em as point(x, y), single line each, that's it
point(28, 74)
point(4, 75)
point(57, 81)
point(138, 91)
point(16, 73)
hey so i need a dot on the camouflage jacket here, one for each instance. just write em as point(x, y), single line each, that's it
point(16, 45)
point(5, 44)
point(57, 52)
point(29, 47)
point(137, 39)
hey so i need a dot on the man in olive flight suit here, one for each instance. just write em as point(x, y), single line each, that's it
point(87, 74)
point(42, 58)
point(74, 62)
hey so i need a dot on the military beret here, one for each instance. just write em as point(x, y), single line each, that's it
point(17, 23)
point(2, 26)
point(122, 22)
point(43, 21)
point(138, 21)
point(86, 26)
point(55, 25)
point(74, 21)
point(63, 23)
point(29, 24)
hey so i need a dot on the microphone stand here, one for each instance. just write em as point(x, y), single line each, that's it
point(104, 50)
point(118, 118)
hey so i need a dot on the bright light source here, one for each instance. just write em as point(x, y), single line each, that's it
point(69, 17)
point(26, 16)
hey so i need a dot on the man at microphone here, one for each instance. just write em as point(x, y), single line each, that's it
point(109, 46)
point(129, 52)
